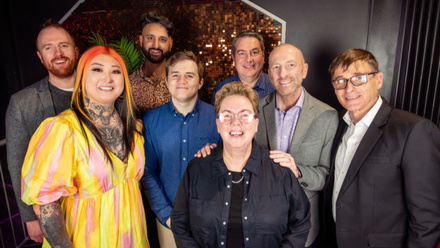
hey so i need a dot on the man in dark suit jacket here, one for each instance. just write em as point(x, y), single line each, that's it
point(383, 188)
point(30, 106)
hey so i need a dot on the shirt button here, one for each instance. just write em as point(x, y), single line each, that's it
point(226, 203)
point(184, 123)
point(245, 217)
point(192, 114)
point(222, 243)
point(184, 140)
point(184, 159)
point(247, 182)
point(229, 173)
point(229, 186)
point(244, 170)
point(224, 222)
point(245, 199)
point(247, 238)
point(336, 192)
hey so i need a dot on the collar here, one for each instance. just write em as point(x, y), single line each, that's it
point(252, 165)
point(196, 108)
point(368, 118)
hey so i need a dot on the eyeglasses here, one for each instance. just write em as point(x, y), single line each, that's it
point(245, 117)
point(340, 84)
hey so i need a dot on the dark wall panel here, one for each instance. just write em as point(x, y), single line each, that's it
point(323, 29)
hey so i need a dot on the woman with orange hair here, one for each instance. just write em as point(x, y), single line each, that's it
point(82, 166)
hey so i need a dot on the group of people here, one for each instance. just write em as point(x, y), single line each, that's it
point(267, 165)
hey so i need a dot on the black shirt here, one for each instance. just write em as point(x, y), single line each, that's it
point(275, 209)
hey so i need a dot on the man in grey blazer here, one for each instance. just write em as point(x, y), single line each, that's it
point(383, 189)
point(296, 127)
point(30, 106)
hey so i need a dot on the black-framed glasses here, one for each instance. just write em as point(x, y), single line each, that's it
point(340, 84)
point(227, 117)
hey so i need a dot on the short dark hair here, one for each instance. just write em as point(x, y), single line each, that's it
point(348, 57)
point(248, 33)
point(152, 17)
point(50, 23)
point(179, 56)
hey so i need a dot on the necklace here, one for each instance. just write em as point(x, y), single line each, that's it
point(242, 176)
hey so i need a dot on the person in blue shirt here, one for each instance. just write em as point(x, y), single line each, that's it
point(248, 57)
point(174, 132)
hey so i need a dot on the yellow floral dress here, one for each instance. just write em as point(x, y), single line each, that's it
point(101, 202)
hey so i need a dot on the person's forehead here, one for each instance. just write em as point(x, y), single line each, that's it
point(285, 54)
point(184, 65)
point(155, 28)
point(358, 66)
point(52, 34)
point(247, 43)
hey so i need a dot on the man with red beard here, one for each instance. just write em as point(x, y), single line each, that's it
point(30, 106)
point(148, 83)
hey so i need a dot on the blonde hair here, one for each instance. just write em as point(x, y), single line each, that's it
point(236, 88)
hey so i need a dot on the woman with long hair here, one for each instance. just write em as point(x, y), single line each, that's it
point(82, 167)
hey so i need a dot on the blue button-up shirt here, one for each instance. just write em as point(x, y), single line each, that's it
point(171, 140)
point(263, 86)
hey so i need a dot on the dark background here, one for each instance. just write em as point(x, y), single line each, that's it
point(402, 34)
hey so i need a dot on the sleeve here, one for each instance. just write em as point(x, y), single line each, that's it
point(298, 224)
point(48, 167)
point(315, 175)
point(17, 140)
point(153, 186)
point(180, 215)
point(421, 170)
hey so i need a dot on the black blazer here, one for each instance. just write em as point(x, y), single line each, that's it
point(391, 194)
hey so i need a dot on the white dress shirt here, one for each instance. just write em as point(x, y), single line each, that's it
point(348, 146)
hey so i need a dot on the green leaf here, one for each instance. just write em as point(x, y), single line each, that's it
point(96, 39)
point(127, 49)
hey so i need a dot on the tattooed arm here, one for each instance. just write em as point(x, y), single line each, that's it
point(52, 224)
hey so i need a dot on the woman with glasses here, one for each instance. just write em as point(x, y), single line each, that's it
point(237, 196)
point(82, 167)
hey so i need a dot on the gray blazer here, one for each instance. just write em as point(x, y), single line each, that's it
point(311, 145)
point(27, 109)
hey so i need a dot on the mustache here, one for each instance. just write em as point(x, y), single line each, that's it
point(59, 58)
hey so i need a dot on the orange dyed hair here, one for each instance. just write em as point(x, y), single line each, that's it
point(125, 107)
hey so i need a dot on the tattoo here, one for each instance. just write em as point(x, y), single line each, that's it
point(52, 224)
point(109, 124)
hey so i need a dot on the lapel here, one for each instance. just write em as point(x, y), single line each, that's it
point(337, 140)
point(269, 121)
point(374, 132)
point(45, 99)
point(305, 119)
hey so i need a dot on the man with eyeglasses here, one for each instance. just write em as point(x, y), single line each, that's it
point(248, 57)
point(383, 188)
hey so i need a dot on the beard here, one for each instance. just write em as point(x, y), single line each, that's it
point(154, 58)
point(62, 72)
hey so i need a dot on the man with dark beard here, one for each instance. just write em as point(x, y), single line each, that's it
point(30, 106)
point(148, 83)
